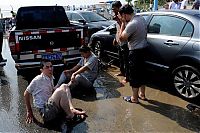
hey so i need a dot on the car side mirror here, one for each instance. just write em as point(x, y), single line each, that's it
point(113, 30)
point(82, 21)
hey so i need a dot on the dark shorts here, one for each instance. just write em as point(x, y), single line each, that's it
point(137, 69)
point(50, 111)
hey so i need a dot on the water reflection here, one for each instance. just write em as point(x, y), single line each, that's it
point(9, 92)
point(5, 96)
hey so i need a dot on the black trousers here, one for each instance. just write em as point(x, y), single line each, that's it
point(123, 59)
point(137, 67)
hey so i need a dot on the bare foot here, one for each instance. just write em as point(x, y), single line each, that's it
point(75, 111)
point(124, 80)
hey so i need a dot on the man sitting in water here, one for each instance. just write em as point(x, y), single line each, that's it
point(50, 102)
point(84, 73)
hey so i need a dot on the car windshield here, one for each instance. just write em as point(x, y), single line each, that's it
point(92, 17)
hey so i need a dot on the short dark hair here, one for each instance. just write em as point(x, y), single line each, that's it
point(126, 9)
point(116, 4)
point(84, 49)
point(43, 62)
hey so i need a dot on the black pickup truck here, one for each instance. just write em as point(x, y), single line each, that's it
point(44, 32)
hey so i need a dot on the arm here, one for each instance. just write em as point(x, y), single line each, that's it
point(75, 68)
point(29, 113)
point(122, 34)
point(80, 70)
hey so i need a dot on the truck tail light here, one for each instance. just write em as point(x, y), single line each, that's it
point(85, 39)
point(12, 44)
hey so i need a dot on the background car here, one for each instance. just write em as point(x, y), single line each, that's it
point(92, 20)
point(174, 47)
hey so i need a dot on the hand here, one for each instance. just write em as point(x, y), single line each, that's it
point(67, 72)
point(122, 17)
point(73, 77)
point(29, 117)
point(115, 42)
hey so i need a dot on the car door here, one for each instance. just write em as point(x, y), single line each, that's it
point(165, 37)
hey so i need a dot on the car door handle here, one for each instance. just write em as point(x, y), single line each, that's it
point(170, 43)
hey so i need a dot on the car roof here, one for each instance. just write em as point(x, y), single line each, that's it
point(175, 11)
point(79, 11)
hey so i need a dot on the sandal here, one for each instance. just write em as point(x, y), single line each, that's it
point(128, 99)
point(143, 98)
point(76, 119)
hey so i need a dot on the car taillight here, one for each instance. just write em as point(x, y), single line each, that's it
point(12, 44)
point(85, 39)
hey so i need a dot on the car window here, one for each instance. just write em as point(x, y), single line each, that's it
point(145, 17)
point(188, 30)
point(76, 17)
point(167, 25)
point(69, 15)
point(40, 17)
point(92, 17)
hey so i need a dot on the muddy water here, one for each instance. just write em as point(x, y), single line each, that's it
point(107, 111)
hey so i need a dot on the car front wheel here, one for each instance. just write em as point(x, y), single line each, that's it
point(186, 80)
point(97, 49)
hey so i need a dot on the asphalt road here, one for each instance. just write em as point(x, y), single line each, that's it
point(164, 112)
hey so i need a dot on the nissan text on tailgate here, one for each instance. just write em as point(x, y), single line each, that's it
point(44, 32)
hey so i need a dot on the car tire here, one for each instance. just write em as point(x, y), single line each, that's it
point(186, 80)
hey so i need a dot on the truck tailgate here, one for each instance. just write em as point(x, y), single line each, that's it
point(52, 39)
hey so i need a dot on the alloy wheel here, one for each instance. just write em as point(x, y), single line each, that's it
point(97, 49)
point(187, 81)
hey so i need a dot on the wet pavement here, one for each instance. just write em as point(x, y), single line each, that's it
point(164, 112)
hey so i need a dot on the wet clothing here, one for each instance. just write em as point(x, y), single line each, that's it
point(50, 111)
point(92, 63)
point(41, 88)
point(85, 79)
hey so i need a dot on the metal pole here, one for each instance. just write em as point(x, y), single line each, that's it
point(155, 5)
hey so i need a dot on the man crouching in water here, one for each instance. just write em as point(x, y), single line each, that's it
point(49, 101)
